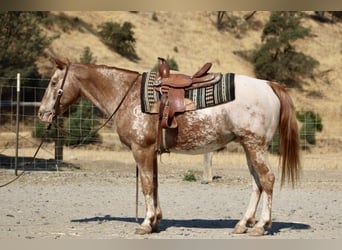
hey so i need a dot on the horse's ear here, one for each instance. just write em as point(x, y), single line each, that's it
point(60, 64)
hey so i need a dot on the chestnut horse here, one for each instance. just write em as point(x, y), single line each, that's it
point(259, 108)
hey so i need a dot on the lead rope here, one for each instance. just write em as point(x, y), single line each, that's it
point(34, 157)
point(136, 192)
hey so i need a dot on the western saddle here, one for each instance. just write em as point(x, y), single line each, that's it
point(172, 87)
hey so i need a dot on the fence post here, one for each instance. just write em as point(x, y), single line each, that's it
point(17, 126)
point(59, 142)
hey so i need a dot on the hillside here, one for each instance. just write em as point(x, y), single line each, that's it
point(192, 39)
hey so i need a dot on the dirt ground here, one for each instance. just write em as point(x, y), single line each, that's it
point(95, 199)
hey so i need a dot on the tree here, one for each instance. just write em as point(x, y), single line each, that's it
point(22, 42)
point(120, 38)
point(87, 56)
point(276, 59)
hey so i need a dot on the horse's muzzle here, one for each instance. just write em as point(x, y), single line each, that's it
point(46, 116)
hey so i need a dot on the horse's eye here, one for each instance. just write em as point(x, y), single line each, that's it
point(53, 83)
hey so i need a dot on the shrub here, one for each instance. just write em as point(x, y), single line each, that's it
point(40, 131)
point(312, 122)
point(155, 17)
point(79, 127)
point(120, 38)
point(189, 176)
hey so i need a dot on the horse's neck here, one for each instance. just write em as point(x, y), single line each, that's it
point(106, 87)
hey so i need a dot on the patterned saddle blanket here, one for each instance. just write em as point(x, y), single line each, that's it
point(221, 92)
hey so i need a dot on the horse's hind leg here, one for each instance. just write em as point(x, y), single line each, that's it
point(262, 184)
point(147, 162)
point(249, 216)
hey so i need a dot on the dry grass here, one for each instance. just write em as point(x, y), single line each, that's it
point(198, 41)
point(109, 159)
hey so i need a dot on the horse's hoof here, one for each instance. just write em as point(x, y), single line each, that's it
point(257, 231)
point(238, 229)
point(143, 229)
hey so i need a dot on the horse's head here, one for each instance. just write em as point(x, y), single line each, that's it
point(60, 93)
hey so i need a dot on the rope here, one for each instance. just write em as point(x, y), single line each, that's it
point(34, 157)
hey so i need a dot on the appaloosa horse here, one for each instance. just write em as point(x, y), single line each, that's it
point(252, 118)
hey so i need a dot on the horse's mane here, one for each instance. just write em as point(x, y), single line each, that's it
point(61, 64)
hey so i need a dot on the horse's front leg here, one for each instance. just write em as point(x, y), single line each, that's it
point(146, 159)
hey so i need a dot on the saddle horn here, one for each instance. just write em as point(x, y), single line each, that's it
point(164, 68)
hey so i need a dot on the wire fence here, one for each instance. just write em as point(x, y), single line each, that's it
point(80, 119)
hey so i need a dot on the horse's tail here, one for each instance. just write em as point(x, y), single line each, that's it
point(289, 145)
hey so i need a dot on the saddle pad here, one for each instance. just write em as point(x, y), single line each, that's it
point(221, 92)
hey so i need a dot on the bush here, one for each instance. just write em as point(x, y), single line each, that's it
point(119, 38)
point(40, 131)
point(312, 122)
point(189, 176)
point(80, 125)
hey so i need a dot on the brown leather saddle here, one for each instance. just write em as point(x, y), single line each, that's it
point(172, 87)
